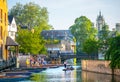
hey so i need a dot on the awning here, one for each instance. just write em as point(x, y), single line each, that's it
point(11, 42)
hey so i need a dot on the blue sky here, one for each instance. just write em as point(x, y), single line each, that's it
point(62, 13)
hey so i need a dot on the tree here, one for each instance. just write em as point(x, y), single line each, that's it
point(90, 46)
point(35, 18)
point(30, 42)
point(16, 12)
point(113, 52)
point(30, 15)
point(103, 36)
point(82, 29)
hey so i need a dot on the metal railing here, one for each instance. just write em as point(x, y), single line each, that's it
point(7, 64)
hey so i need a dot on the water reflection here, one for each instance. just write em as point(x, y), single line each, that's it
point(95, 77)
point(38, 77)
point(58, 75)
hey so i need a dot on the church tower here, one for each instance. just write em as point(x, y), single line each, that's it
point(100, 22)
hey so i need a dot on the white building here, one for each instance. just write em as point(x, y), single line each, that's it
point(12, 27)
point(118, 27)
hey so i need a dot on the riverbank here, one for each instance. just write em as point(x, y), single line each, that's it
point(99, 66)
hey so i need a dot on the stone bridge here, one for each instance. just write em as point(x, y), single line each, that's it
point(72, 56)
point(81, 56)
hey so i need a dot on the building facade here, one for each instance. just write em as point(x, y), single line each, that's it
point(100, 22)
point(12, 27)
point(3, 28)
point(118, 27)
point(66, 43)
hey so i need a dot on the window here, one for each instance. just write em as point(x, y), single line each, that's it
point(5, 19)
point(1, 32)
point(1, 15)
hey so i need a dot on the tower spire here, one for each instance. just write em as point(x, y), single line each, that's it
point(100, 13)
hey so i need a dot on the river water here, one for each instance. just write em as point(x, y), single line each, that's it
point(58, 75)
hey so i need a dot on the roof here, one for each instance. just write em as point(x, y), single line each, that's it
point(10, 18)
point(11, 42)
point(56, 34)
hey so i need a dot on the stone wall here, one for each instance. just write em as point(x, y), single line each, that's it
point(98, 77)
point(98, 66)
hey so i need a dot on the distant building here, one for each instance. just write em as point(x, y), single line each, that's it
point(100, 22)
point(56, 34)
point(65, 37)
point(118, 27)
point(12, 27)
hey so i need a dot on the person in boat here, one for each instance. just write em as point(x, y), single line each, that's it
point(65, 64)
point(71, 67)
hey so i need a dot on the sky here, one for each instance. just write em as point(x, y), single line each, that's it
point(62, 13)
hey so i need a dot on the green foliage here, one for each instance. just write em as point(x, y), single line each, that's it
point(104, 33)
point(49, 41)
point(117, 33)
point(16, 12)
point(30, 15)
point(103, 36)
point(34, 17)
point(90, 46)
point(82, 29)
point(113, 52)
point(38, 77)
point(30, 42)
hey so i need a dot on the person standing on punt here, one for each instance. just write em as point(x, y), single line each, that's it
point(65, 64)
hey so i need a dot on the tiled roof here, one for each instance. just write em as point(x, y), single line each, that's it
point(56, 34)
point(11, 42)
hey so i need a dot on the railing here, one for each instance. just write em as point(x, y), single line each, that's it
point(7, 64)
point(79, 56)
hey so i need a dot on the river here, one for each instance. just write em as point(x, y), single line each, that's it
point(58, 75)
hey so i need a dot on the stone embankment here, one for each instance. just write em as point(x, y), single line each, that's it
point(99, 66)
